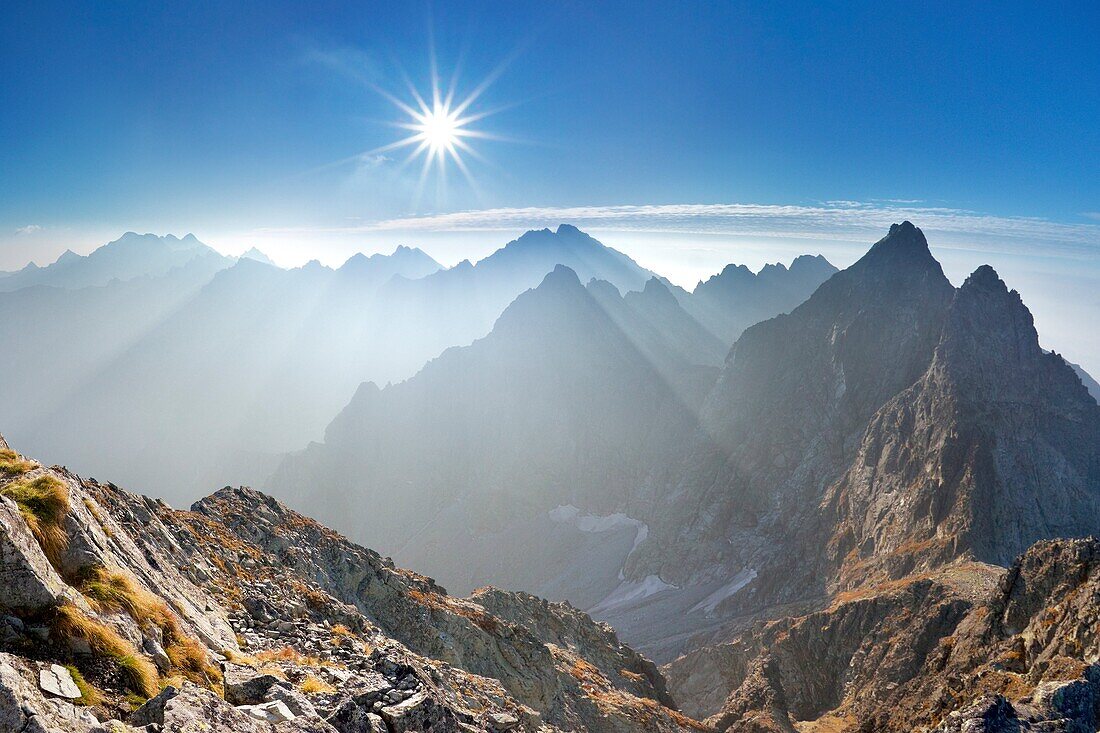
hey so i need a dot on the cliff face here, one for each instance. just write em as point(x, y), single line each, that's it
point(973, 648)
point(996, 446)
point(245, 616)
point(909, 620)
point(787, 414)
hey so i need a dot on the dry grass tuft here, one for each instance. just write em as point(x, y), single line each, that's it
point(190, 659)
point(288, 654)
point(236, 657)
point(71, 623)
point(341, 632)
point(112, 590)
point(44, 502)
point(316, 686)
point(12, 463)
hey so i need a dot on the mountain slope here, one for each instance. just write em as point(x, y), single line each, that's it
point(782, 420)
point(558, 405)
point(973, 649)
point(297, 628)
point(993, 447)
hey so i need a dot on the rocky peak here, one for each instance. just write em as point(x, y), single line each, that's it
point(732, 276)
point(657, 291)
point(255, 254)
point(546, 306)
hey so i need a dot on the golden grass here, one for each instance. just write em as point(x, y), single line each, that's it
point(89, 695)
point(614, 701)
point(112, 590)
point(44, 502)
point(288, 654)
point(12, 463)
point(190, 659)
point(70, 623)
point(236, 657)
point(316, 686)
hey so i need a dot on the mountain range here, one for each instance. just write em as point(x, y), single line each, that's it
point(243, 361)
point(857, 500)
point(892, 431)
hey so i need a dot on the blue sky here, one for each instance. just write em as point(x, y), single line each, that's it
point(981, 121)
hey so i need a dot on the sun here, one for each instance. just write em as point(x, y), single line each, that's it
point(440, 129)
point(441, 126)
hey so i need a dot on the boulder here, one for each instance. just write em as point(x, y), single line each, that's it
point(24, 708)
point(191, 709)
point(28, 583)
point(292, 698)
point(244, 685)
point(500, 722)
point(419, 713)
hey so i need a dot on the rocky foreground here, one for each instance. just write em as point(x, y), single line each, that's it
point(121, 613)
point(971, 649)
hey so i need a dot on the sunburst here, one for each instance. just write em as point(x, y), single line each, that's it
point(442, 128)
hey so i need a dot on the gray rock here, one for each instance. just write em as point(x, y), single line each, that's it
point(351, 717)
point(270, 712)
point(24, 708)
point(502, 721)
point(157, 653)
point(27, 580)
point(244, 685)
point(292, 698)
point(192, 709)
point(419, 713)
point(57, 680)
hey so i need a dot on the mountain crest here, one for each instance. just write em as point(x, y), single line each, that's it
point(904, 244)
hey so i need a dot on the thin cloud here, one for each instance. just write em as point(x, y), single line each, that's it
point(853, 221)
point(29, 229)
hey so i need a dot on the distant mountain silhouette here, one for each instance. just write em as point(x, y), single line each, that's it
point(888, 425)
point(578, 397)
point(130, 256)
point(255, 254)
point(736, 298)
point(259, 360)
point(1087, 379)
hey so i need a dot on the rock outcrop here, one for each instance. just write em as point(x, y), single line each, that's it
point(241, 615)
point(973, 648)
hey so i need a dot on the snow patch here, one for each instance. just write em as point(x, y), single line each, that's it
point(567, 513)
point(708, 604)
point(632, 590)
